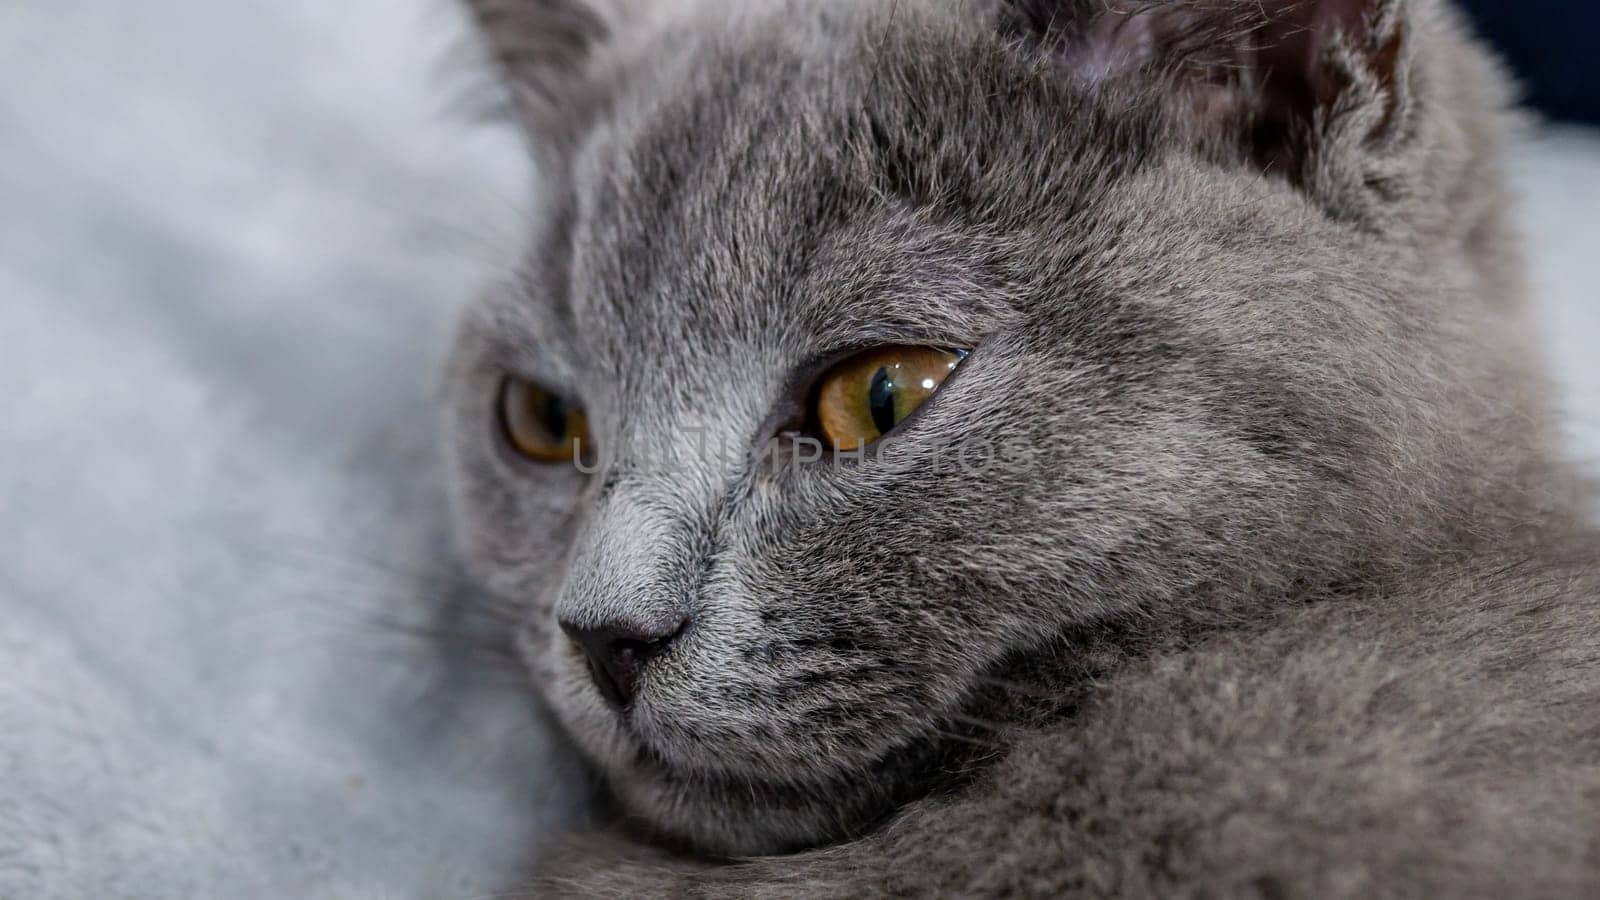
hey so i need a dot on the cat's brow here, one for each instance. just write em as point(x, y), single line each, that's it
point(529, 332)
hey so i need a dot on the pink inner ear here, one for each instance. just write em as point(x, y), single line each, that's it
point(1115, 42)
point(1352, 17)
point(1299, 32)
point(1127, 35)
point(1258, 70)
point(1265, 58)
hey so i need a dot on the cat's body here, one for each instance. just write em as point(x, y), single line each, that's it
point(1274, 585)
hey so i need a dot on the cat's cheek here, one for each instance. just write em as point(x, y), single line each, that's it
point(510, 534)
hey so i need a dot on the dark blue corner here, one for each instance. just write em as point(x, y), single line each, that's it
point(1552, 46)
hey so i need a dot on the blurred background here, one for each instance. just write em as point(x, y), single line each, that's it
point(232, 240)
point(1551, 45)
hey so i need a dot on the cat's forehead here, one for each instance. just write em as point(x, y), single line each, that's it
point(781, 199)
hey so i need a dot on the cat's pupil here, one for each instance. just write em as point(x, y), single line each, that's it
point(555, 417)
point(880, 401)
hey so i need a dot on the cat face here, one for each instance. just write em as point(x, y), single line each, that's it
point(1183, 384)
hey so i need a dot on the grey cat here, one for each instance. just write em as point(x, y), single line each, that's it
point(1032, 448)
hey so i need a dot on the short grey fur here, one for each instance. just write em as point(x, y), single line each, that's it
point(1290, 592)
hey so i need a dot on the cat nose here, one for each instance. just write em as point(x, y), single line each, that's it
point(619, 650)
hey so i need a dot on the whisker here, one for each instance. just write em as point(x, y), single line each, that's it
point(986, 724)
point(1026, 690)
point(986, 743)
point(300, 549)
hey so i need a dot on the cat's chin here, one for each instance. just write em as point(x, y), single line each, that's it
point(677, 774)
point(735, 815)
point(732, 810)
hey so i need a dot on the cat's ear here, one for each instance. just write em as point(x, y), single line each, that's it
point(1287, 81)
point(545, 49)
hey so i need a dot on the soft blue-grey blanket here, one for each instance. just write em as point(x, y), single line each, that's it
point(232, 237)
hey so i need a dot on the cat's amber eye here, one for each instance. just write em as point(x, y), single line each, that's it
point(863, 398)
point(542, 425)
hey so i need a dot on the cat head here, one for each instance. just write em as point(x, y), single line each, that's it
point(1149, 316)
